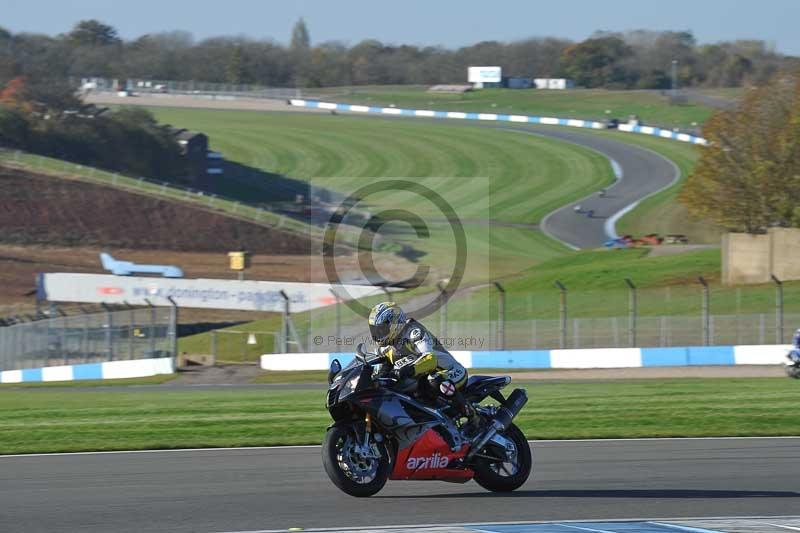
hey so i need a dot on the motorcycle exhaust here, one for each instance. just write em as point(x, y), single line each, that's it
point(502, 419)
point(511, 408)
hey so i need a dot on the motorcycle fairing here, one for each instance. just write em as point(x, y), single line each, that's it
point(403, 417)
point(429, 457)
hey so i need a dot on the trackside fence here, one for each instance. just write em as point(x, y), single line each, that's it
point(493, 320)
point(605, 332)
point(142, 333)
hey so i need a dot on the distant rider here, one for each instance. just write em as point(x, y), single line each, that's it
point(415, 353)
point(794, 355)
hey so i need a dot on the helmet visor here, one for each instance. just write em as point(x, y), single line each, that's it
point(380, 332)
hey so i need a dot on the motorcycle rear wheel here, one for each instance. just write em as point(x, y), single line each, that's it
point(510, 475)
point(352, 473)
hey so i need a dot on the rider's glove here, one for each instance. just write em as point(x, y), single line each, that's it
point(387, 352)
point(404, 368)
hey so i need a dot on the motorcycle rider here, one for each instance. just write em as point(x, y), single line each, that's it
point(794, 355)
point(414, 352)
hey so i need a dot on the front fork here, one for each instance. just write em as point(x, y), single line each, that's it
point(367, 442)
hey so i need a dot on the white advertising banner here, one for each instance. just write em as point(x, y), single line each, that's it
point(484, 74)
point(206, 293)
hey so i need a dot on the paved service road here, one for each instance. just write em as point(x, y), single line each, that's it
point(252, 489)
point(643, 172)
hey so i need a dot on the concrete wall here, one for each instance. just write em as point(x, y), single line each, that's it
point(772, 354)
point(784, 244)
point(745, 258)
point(134, 368)
point(753, 258)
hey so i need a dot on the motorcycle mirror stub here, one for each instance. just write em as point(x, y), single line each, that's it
point(335, 368)
point(361, 352)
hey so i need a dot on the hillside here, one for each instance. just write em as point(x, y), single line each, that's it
point(44, 210)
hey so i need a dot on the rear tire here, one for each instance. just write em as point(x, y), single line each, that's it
point(337, 455)
point(496, 478)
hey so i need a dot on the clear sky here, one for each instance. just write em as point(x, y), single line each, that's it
point(436, 22)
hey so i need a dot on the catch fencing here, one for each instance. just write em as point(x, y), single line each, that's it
point(692, 314)
point(604, 332)
point(142, 333)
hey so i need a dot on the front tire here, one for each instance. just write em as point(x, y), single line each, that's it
point(354, 473)
point(509, 475)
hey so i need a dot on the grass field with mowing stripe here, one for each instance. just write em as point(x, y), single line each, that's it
point(80, 420)
point(526, 173)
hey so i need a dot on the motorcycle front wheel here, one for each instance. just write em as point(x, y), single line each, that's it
point(510, 474)
point(356, 471)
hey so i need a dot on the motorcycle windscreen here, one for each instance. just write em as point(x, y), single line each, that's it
point(429, 457)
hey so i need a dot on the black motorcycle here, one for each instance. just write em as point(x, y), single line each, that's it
point(383, 430)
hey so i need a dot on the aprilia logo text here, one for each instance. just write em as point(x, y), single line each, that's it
point(437, 460)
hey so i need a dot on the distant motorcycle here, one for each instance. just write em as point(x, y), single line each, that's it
point(792, 364)
point(382, 432)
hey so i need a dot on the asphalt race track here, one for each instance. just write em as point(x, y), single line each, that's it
point(643, 173)
point(277, 488)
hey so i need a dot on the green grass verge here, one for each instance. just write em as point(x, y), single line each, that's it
point(61, 421)
point(597, 104)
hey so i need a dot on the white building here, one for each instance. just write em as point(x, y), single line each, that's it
point(553, 83)
point(480, 76)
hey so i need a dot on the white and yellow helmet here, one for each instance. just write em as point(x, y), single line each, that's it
point(386, 321)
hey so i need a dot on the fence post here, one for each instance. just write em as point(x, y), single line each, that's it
point(501, 314)
point(285, 329)
point(110, 335)
point(562, 341)
point(152, 327)
point(778, 309)
point(338, 316)
point(706, 323)
point(442, 310)
point(631, 312)
point(85, 338)
point(132, 327)
point(172, 332)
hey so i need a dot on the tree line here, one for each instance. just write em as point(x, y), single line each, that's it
point(748, 177)
point(49, 119)
point(638, 59)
